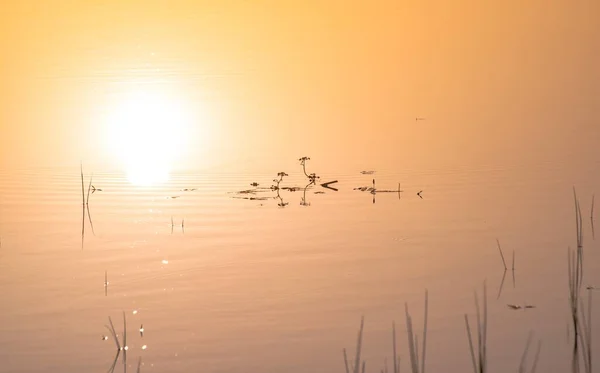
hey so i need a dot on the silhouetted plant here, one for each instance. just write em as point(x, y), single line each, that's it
point(278, 181)
point(303, 201)
point(312, 177)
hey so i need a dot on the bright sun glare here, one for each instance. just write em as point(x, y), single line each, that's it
point(147, 134)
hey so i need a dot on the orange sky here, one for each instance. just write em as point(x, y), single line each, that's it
point(335, 80)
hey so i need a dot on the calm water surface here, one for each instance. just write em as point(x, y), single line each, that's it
point(249, 286)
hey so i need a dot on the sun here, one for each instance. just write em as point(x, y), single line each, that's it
point(147, 132)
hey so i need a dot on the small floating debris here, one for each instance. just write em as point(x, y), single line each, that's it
point(143, 348)
point(319, 192)
point(247, 191)
point(518, 307)
point(188, 189)
point(142, 330)
point(291, 189)
point(367, 172)
point(255, 184)
point(326, 185)
point(253, 198)
point(104, 337)
point(95, 189)
point(419, 194)
point(173, 197)
point(164, 261)
point(370, 189)
point(419, 118)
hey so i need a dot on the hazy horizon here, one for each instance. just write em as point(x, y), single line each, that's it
point(514, 82)
point(477, 118)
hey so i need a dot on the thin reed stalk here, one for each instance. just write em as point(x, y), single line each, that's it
point(355, 368)
point(592, 219)
point(89, 188)
point(501, 284)
point(394, 351)
point(524, 356)
point(413, 340)
point(501, 254)
point(513, 261)
point(537, 357)
point(582, 341)
point(359, 345)
point(479, 359)
point(82, 192)
point(425, 331)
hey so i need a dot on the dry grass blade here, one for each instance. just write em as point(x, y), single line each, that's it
point(417, 349)
point(359, 345)
point(501, 254)
point(425, 331)
point(87, 207)
point(124, 331)
point(394, 353)
point(589, 328)
point(484, 327)
point(524, 356)
point(114, 363)
point(501, 284)
point(479, 359)
point(592, 219)
point(113, 332)
point(82, 192)
point(513, 261)
point(82, 225)
point(479, 335)
point(346, 361)
point(411, 342)
point(89, 188)
point(355, 368)
point(537, 357)
point(583, 337)
point(139, 366)
point(472, 350)
point(580, 321)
